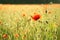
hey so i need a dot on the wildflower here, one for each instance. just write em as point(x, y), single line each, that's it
point(23, 15)
point(5, 36)
point(16, 35)
point(0, 22)
point(36, 16)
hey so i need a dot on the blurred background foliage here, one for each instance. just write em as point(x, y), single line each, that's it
point(28, 1)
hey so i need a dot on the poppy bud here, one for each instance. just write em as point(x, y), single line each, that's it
point(49, 12)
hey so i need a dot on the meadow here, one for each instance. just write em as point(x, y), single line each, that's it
point(29, 22)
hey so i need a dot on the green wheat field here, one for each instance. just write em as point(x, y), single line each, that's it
point(16, 22)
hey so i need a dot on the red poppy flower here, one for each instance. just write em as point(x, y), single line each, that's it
point(0, 22)
point(36, 16)
point(23, 14)
point(16, 35)
point(5, 36)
